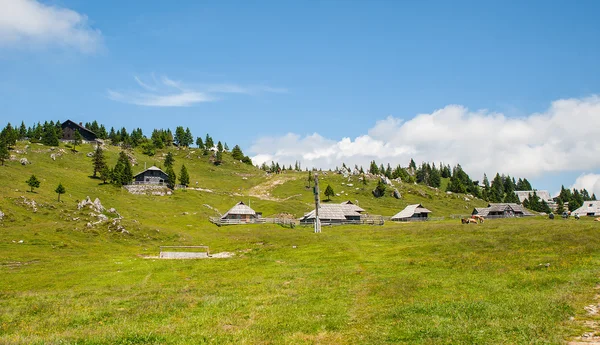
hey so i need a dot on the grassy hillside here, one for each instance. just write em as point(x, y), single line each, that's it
point(438, 282)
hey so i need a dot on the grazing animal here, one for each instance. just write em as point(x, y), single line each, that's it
point(597, 219)
point(478, 218)
point(471, 220)
point(468, 221)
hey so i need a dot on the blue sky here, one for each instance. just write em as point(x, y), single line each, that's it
point(290, 80)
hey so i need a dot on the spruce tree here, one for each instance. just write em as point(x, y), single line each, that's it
point(208, 142)
point(33, 182)
point(98, 161)
point(60, 190)
point(219, 158)
point(219, 147)
point(169, 160)
point(200, 143)
point(310, 178)
point(105, 174)
point(329, 192)
point(77, 139)
point(172, 178)
point(189, 138)
point(4, 153)
point(497, 190)
point(184, 177)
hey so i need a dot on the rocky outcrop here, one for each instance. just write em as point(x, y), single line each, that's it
point(24, 161)
point(96, 205)
point(396, 194)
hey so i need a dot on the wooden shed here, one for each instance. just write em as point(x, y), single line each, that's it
point(241, 212)
point(152, 175)
point(346, 212)
point(410, 213)
point(69, 128)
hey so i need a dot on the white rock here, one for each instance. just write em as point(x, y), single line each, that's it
point(24, 161)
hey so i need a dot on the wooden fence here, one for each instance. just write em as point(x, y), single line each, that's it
point(281, 221)
point(370, 220)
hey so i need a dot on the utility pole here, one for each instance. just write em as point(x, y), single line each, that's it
point(316, 192)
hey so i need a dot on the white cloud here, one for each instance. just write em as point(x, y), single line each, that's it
point(591, 182)
point(173, 93)
point(30, 23)
point(563, 138)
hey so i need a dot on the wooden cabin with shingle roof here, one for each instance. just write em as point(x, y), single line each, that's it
point(69, 128)
point(346, 212)
point(242, 213)
point(502, 210)
point(152, 175)
point(589, 208)
point(414, 212)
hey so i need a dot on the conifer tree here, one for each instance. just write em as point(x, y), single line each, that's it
point(310, 178)
point(199, 143)
point(60, 190)
point(33, 182)
point(329, 192)
point(184, 177)
point(497, 189)
point(219, 158)
point(208, 142)
point(98, 161)
point(172, 178)
point(169, 160)
point(219, 147)
point(4, 154)
point(76, 139)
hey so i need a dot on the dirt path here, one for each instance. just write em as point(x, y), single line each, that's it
point(263, 190)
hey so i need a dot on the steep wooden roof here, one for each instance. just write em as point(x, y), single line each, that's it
point(239, 208)
point(410, 210)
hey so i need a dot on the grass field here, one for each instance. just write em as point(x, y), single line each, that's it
point(519, 281)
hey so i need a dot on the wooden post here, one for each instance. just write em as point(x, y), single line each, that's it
point(316, 192)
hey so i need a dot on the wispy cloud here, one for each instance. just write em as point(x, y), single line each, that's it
point(166, 92)
point(31, 24)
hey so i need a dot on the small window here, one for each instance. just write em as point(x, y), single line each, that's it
point(591, 205)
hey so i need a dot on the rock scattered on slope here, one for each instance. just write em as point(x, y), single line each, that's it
point(397, 193)
point(24, 161)
point(31, 203)
point(1, 215)
point(377, 193)
point(96, 205)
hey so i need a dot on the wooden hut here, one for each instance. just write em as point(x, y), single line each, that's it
point(152, 175)
point(414, 212)
point(69, 128)
point(346, 212)
point(242, 213)
point(502, 210)
point(589, 208)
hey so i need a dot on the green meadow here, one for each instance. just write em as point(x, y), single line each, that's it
point(508, 281)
